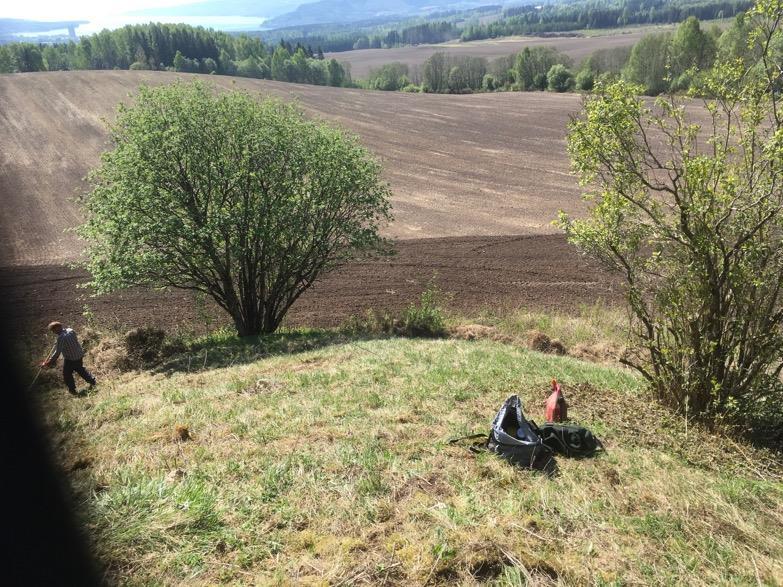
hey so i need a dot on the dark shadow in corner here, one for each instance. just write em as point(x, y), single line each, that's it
point(44, 541)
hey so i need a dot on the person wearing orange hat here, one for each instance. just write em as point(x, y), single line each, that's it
point(73, 355)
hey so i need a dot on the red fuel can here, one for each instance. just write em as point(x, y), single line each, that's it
point(556, 406)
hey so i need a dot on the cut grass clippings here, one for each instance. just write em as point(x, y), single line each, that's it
point(331, 466)
point(596, 333)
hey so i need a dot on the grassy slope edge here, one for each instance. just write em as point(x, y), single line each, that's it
point(331, 466)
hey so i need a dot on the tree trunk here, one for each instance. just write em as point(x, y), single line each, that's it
point(248, 322)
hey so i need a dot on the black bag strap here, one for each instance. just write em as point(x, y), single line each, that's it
point(563, 445)
point(475, 447)
point(468, 437)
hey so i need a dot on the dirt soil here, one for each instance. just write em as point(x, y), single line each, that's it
point(578, 48)
point(463, 170)
point(478, 165)
point(493, 273)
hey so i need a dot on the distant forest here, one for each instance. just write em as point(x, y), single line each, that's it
point(300, 59)
point(388, 32)
point(600, 14)
point(418, 34)
point(491, 22)
point(658, 62)
point(178, 47)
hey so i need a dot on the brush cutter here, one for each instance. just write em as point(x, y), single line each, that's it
point(40, 368)
point(29, 389)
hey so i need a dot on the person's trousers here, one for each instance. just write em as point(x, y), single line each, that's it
point(69, 367)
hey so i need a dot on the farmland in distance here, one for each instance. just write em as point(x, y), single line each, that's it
point(476, 182)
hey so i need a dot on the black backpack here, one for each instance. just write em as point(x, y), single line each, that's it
point(514, 439)
point(524, 443)
point(568, 440)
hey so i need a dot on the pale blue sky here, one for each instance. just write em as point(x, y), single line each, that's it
point(77, 9)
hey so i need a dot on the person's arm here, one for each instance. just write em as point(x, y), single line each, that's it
point(55, 352)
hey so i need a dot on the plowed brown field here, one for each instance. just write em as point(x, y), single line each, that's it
point(478, 273)
point(460, 167)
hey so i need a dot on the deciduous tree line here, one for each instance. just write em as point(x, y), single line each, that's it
point(177, 47)
point(459, 74)
point(658, 63)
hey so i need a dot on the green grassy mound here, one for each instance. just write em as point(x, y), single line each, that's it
point(331, 466)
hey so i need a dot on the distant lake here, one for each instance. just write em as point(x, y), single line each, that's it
point(222, 23)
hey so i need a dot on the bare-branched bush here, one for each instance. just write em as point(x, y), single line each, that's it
point(688, 208)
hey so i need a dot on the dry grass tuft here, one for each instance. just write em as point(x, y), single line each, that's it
point(107, 357)
point(143, 346)
point(182, 434)
point(556, 347)
point(536, 340)
point(542, 343)
point(480, 332)
point(593, 333)
point(599, 352)
point(175, 475)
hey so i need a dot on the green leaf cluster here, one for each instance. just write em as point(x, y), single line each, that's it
point(688, 208)
point(242, 199)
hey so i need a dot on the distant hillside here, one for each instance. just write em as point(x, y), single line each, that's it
point(342, 11)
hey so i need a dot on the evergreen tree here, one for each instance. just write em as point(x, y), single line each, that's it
point(336, 74)
point(27, 57)
point(225, 65)
point(279, 63)
point(7, 63)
